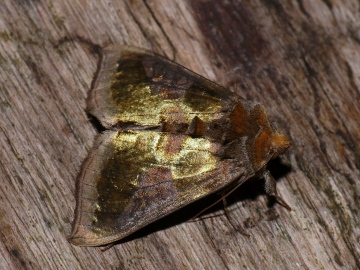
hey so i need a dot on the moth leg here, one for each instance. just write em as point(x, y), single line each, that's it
point(270, 189)
point(237, 227)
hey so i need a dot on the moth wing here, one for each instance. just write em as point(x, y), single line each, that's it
point(140, 87)
point(131, 179)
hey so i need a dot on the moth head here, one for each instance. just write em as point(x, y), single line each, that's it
point(267, 142)
point(279, 144)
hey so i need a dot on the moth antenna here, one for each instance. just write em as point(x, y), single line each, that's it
point(203, 218)
point(221, 199)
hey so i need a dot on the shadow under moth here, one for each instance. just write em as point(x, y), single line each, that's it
point(172, 138)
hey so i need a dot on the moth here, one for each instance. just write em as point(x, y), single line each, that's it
point(172, 137)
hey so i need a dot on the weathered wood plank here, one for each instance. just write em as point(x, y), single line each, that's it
point(301, 59)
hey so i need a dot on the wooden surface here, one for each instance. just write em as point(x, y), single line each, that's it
point(300, 59)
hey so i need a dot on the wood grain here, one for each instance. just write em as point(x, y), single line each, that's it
point(300, 59)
